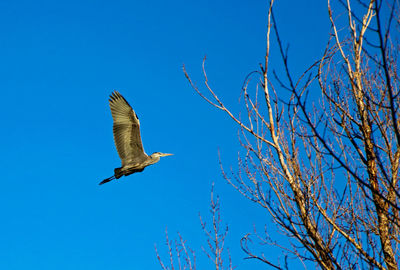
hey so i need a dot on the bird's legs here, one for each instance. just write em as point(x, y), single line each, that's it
point(107, 180)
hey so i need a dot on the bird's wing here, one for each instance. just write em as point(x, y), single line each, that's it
point(126, 130)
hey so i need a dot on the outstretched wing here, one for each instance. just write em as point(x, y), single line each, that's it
point(126, 130)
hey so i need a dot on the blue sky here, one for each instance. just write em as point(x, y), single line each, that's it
point(60, 60)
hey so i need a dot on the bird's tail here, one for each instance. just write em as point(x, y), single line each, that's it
point(107, 180)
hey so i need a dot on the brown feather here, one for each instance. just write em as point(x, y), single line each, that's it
point(126, 130)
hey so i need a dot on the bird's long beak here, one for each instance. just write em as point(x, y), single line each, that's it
point(165, 154)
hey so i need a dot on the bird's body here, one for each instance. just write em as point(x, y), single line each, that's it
point(126, 130)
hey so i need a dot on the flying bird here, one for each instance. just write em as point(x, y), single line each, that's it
point(126, 129)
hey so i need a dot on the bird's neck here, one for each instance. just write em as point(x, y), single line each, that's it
point(154, 159)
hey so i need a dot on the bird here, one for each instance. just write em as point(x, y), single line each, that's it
point(127, 139)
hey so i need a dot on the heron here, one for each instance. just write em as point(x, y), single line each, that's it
point(127, 139)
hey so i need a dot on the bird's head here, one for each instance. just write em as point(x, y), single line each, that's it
point(159, 154)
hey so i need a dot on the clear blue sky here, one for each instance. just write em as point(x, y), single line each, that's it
point(60, 60)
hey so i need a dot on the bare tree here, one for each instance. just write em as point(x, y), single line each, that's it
point(182, 257)
point(326, 167)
